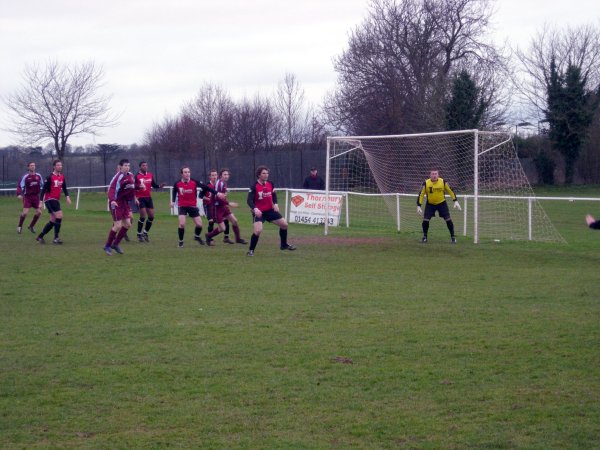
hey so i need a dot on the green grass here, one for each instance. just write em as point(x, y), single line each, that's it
point(345, 343)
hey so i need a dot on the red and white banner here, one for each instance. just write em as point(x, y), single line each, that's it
point(309, 208)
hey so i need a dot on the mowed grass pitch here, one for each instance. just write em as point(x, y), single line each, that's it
point(347, 342)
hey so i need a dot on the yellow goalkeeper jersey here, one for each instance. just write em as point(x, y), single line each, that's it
point(435, 192)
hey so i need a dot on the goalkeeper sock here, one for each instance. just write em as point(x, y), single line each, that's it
point(253, 241)
point(425, 227)
point(450, 225)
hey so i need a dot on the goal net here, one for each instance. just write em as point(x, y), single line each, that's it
point(379, 178)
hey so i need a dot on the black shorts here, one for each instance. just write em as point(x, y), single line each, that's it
point(53, 206)
point(191, 211)
point(146, 202)
point(441, 208)
point(270, 216)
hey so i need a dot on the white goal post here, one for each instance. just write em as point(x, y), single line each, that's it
point(381, 176)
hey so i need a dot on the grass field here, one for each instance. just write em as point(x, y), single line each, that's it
point(356, 340)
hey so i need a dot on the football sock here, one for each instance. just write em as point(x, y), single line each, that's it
point(34, 220)
point(450, 225)
point(226, 228)
point(236, 231)
point(253, 241)
point(213, 233)
point(283, 237)
point(57, 228)
point(47, 229)
point(149, 224)
point(197, 231)
point(122, 232)
point(181, 232)
point(21, 220)
point(425, 225)
point(211, 225)
point(111, 237)
point(140, 225)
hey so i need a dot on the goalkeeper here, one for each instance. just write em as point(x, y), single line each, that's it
point(434, 188)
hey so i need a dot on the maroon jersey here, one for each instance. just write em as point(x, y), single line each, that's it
point(221, 187)
point(30, 185)
point(186, 192)
point(122, 188)
point(53, 185)
point(208, 198)
point(262, 196)
point(144, 180)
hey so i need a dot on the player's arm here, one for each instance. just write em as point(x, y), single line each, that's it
point(452, 195)
point(46, 187)
point(174, 193)
point(21, 186)
point(66, 191)
point(421, 197)
point(155, 185)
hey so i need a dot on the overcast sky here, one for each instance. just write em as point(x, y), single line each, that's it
point(157, 53)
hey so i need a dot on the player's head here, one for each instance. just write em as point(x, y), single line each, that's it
point(224, 174)
point(124, 166)
point(434, 174)
point(143, 166)
point(186, 173)
point(213, 175)
point(262, 173)
point(313, 171)
point(57, 165)
point(31, 166)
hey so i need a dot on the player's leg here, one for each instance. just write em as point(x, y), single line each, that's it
point(427, 215)
point(236, 228)
point(149, 222)
point(445, 214)
point(226, 236)
point(36, 217)
point(53, 206)
point(283, 232)
point(215, 231)
point(181, 227)
point(198, 229)
point(141, 220)
point(58, 216)
point(22, 218)
point(124, 225)
point(112, 234)
point(256, 231)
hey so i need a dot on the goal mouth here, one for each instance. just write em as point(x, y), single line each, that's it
point(380, 177)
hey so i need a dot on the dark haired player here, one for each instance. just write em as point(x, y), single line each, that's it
point(262, 201)
point(186, 194)
point(434, 188)
point(55, 184)
point(28, 190)
point(222, 212)
point(120, 192)
point(144, 182)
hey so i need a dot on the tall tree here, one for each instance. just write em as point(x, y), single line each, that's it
point(394, 76)
point(570, 112)
point(58, 101)
point(466, 107)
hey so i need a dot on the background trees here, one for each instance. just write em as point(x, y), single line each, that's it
point(58, 101)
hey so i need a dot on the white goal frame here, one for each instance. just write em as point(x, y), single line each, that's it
point(354, 143)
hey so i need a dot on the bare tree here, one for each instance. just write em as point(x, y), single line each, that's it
point(395, 75)
point(293, 110)
point(570, 46)
point(58, 101)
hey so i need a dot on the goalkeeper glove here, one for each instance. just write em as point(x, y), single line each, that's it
point(419, 211)
point(457, 205)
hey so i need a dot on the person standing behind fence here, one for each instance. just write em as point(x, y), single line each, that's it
point(28, 190)
point(314, 181)
point(144, 182)
point(55, 184)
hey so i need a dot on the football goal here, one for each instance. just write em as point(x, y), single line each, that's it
point(379, 177)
